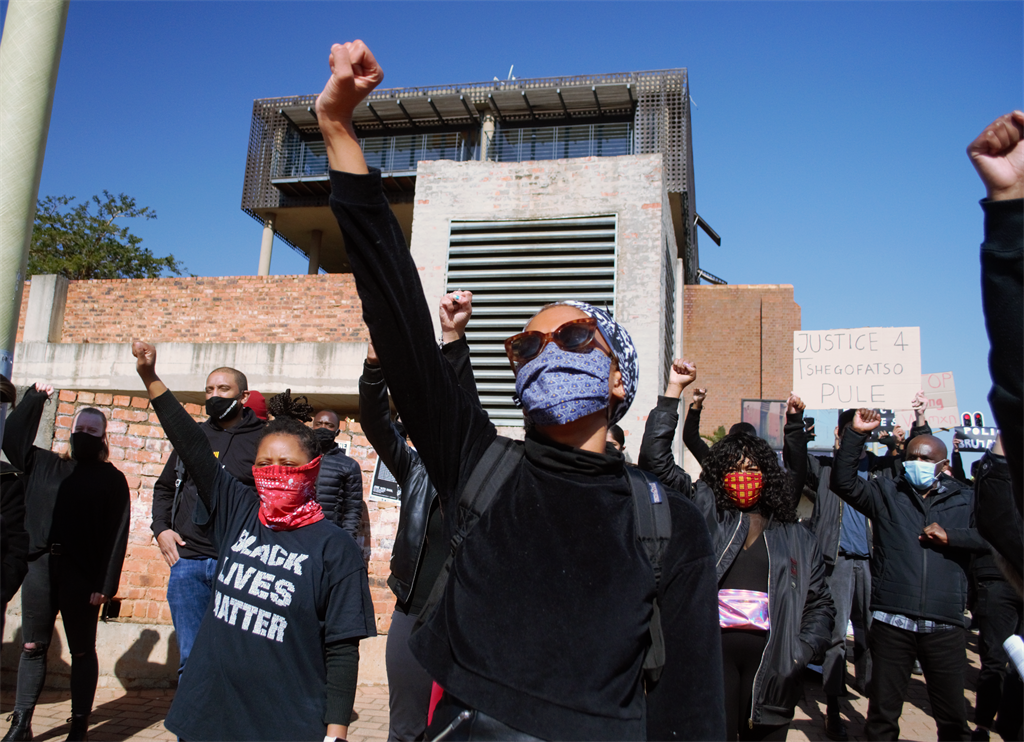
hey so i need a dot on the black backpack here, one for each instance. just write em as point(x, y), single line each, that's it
point(653, 525)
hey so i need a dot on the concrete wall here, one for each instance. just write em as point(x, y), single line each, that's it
point(631, 187)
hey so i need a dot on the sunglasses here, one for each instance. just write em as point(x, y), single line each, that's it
point(575, 336)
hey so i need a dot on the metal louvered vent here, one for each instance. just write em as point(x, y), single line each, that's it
point(513, 269)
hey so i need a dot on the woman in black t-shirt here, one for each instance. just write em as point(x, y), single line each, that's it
point(277, 653)
point(77, 511)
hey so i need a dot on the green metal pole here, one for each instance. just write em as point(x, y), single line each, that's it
point(29, 59)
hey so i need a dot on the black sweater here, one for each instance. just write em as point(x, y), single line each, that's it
point(83, 506)
point(544, 621)
point(1002, 295)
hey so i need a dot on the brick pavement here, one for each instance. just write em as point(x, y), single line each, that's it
point(137, 715)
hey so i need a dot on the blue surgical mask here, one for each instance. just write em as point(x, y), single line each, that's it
point(921, 474)
point(558, 386)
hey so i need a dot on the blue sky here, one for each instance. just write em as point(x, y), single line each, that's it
point(828, 138)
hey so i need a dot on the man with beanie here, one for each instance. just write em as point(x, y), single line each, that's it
point(339, 486)
point(233, 431)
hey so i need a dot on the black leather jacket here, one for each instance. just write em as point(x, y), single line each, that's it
point(800, 607)
point(404, 463)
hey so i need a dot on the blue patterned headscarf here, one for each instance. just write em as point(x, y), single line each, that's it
point(623, 351)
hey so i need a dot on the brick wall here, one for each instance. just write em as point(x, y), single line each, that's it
point(741, 338)
point(139, 449)
point(232, 309)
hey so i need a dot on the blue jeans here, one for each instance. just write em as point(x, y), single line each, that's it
point(188, 593)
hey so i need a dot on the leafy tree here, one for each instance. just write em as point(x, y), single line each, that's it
point(716, 436)
point(71, 241)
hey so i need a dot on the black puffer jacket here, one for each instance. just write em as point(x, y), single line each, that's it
point(909, 578)
point(800, 607)
point(339, 489)
point(415, 560)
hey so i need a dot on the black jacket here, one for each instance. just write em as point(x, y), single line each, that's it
point(412, 550)
point(1002, 296)
point(907, 577)
point(691, 434)
point(998, 520)
point(82, 506)
point(800, 607)
point(545, 616)
point(13, 536)
point(235, 449)
point(339, 490)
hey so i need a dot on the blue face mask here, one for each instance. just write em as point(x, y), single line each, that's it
point(921, 474)
point(558, 387)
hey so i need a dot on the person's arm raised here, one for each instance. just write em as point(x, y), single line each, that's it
point(865, 496)
point(354, 74)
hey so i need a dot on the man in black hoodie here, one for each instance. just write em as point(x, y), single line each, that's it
point(233, 431)
point(923, 543)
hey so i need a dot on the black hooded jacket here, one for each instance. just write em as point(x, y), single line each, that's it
point(800, 607)
point(83, 506)
point(908, 577)
point(339, 490)
point(235, 449)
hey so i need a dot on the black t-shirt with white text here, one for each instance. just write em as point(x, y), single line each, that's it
point(257, 668)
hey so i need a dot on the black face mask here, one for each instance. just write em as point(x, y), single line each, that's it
point(221, 409)
point(325, 437)
point(86, 447)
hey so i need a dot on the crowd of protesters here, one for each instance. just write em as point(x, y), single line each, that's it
point(546, 588)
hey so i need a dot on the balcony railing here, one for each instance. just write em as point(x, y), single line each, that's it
point(295, 158)
point(561, 142)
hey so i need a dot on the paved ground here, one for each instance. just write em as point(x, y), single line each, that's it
point(138, 715)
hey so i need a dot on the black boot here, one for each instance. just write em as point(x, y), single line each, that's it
point(21, 726)
point(79, 728)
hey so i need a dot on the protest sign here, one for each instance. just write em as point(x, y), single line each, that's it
point(941, 409)
point(768, 417)
point(976, 439)
point(874, 367)
point(384, 486)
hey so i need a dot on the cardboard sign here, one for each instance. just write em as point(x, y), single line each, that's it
point(976, 439)
point(768, 416)
point(941, 409)
point(384, 486)
point(874, 367)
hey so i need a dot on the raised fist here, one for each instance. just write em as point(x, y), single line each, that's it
point(682, 372)
point(794, 404)
point(46, 389)
point(455, 310)
point(698, 397)
point(998, 156)
point(354, 73)
point(145, 356)
point(864, 421)
point(918, 403)
point(899, 433)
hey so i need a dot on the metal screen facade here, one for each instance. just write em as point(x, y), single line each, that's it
point(542, 118)
point(513, 269)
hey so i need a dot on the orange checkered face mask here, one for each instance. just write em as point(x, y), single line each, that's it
point(744, 487)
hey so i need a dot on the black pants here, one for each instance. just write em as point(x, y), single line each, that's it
point(943, 657)
point(51, 585)
point(741, 653)
point(408, 683)
point(849, 581)
point(998, 610)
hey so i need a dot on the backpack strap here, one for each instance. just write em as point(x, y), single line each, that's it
point(654, 530)
point(496, 465)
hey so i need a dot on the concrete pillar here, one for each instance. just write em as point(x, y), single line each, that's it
point(29, 61)
point(314, 252)
point(44, 318)
point(486, 132)
point(267, 245)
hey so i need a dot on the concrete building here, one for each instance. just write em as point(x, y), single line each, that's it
point(524, 191)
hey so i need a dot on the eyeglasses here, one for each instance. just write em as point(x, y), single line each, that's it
point(575, 336)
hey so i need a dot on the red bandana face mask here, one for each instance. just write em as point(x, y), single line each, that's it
point(288, 495)
point(744, 487)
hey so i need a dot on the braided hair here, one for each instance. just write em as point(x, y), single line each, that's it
point(289, 416)
point(726, 455)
